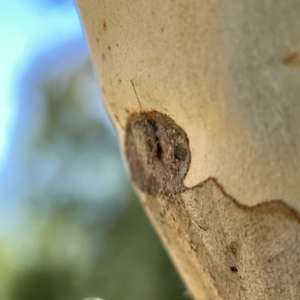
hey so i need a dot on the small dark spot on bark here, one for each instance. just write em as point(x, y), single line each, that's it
point(104, 25)
point(109, 48)
point(233, 269)
point(120, 80)
point(117, 45)
point(97, 39)
point(103, 56)
point(162, 29)
point(292, 60)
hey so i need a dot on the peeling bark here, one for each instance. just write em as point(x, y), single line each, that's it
point(225, 250)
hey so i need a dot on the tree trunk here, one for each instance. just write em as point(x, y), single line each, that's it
point(204, 95)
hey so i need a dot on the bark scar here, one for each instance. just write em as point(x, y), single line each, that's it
point(158, 154)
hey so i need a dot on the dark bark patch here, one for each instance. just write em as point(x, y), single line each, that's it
point(233, 269)
point(157, 151)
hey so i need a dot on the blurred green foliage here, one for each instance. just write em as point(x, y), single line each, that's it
point(84, 233)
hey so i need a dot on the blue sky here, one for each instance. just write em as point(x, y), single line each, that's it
point(26, 27)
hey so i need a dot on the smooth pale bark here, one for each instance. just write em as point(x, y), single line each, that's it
point(226, 75)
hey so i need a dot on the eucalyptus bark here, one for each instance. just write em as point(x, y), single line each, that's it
point(204, 95)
